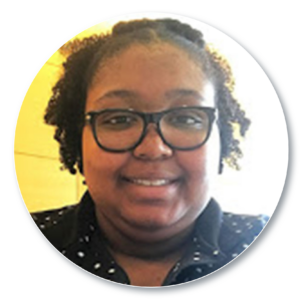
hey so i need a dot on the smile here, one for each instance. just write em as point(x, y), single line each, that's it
point(155, 182)
point(149, 182)
point(152, 190)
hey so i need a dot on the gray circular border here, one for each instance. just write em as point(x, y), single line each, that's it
point(243, 260)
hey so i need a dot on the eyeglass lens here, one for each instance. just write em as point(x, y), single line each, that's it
point(118, 130)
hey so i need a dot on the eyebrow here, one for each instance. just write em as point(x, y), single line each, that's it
point(119, 94)
point(180, 93)
point(172, 94)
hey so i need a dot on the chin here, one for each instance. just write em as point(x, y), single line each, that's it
point(155, 223)
point(148, 225)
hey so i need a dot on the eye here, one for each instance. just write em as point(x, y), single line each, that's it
point(120, 120)
point(116, 120)
point(186, 120)
point(189, 120)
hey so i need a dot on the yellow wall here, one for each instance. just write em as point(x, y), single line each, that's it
point(43, 185)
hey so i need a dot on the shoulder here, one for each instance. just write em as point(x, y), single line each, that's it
point(57, 225)
point(50, 218)
point(239, 231)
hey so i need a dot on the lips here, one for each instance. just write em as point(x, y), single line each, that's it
point(151, 180)
point(154, 189)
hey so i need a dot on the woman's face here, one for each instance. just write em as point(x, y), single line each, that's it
point(153, 78)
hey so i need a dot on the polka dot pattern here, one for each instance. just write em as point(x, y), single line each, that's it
point(217, 239)
point(45, 220)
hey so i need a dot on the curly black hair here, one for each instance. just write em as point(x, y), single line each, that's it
point(66, 106)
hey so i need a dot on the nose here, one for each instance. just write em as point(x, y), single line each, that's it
point(152, 146)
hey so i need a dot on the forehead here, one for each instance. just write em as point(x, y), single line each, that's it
point(149, 71)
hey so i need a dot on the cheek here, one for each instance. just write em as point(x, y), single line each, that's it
point(201, 166)
point(100, 167)
point(195, 167)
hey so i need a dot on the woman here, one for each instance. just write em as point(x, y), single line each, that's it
point(146, 114)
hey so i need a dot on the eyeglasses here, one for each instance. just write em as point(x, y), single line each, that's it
point(182, 128)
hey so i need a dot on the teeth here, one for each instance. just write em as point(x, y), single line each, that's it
point(157, 182)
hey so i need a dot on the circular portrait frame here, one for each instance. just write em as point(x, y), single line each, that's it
point(239, 263)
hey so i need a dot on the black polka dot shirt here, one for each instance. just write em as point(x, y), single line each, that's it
point(217, 239)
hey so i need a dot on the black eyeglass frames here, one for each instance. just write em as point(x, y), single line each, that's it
point(182, 128)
